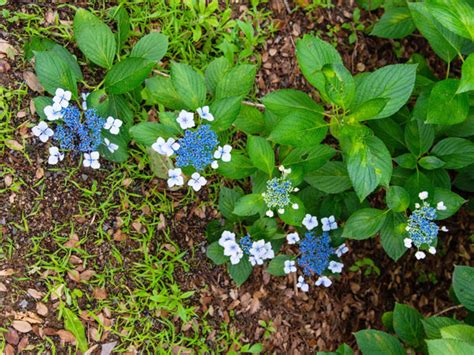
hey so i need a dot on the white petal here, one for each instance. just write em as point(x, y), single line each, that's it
point(95, 155)
point(52, 160)
point(214, 164)
point(95, 164)
point(114, 130)
point(420, 255)
point(423, 195)
point(226, 157)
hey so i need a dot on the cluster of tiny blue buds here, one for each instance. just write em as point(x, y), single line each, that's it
point(421, 228)
point(278, 192)
point(315, 253)
point(196, 148)
point(76, 135)
point(245, 244)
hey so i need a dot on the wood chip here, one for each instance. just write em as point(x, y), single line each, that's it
point(22, 326)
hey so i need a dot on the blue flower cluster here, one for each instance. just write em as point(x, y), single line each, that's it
point(76, 135)
point(278, 192)
point(421, 228)
point(246, 244)
point(315, 253)
point(196, 148)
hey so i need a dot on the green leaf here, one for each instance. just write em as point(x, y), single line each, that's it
point(261, 154)
point(225, 112)
point(237, 81)
point(377, 342)
point(127, 75)
point(392, 82)
point(121, 140)
point(216, 253)
point(467, 75)
point(121, 17)
point(457, 16)
point(249, 120)
point(455, 152)
point(364, 223)
point(407, 325)
point(396, 22)
point(215, 72)
point(463, 284)
point(433, 326)
point(160, 90)
point(443, 98)
point(397, 199)
point(300, 129)
point(291, 216)
point(309, 159)
point(159, 164)
point(449, 346)
point(368, 110)
point(431, 163)
point(54, 72)
point(370, 4)
point(239, 167)
point(284, 102)
point(73, 324)
point(312, 54)
point(419, 137)
point(461, 332)
point(189, 85)
point(147, 133)
point(37, 44)
point(332, 178)
point(407, 160)
point(69, 59)
point(152, 46)
point(40, 103)
point(94, 38)
point(392, 234)
point(277, 265)
point(340, 85)
point(227, 199)
point(249, 205)
point(240, 272)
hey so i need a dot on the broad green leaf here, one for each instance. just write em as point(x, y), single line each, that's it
point(240, 272)
point(398, 199)
point(250, 120)
point(455, 152)
point(396, 22)
point(277, 264)
point(467, 75)
point(443, 98)
point(69, 59)
point(392, 82)
point(407, 325)
point(300, 129)
point(370, 4)
point(433, 326)
point(390, 132)
point(113, 105)
point(261, 154)
point(449, 346)
point(340, 85)
point(40, 103)
point(94, 38)
point(431, 163)
point(312, 54)
point(292, 216)
point(225, 112)
point(332, 178)
point(152, 46)
point(216, 253)
point(127, 75)
point(239, 167)
point(249, 205)
point(160, 90)
point(407, 160)
point(37, 44)
point(457, 16)
point(121, 17)
point(147, 133)
point(215, 72)
point(121, 140)
point(368, 110)
point(54, 72)
point(309, 159)
point(364, 223)
point(189, 85)
point(73, 324)
point(465, 179)
point(284, 102)
point(463, 284)
point(227, 199)
point(392, 234)
point(419, 137)
point(377, 342)
point(461, 332)
point(237, 81)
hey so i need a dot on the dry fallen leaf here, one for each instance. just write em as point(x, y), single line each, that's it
point(73, 242)
point(23, 344)
point(66, 337)
point(3, 288)
point(99, 293)
point(9, 350)
point(87, 275)
point(13, 144)
point(35, 294)
point(41, 309)
point(39, 173)
point(74, 275)
point(12, 336)
point(22, 326)
point(8, 49)
point(107, 348)
point(137, 226)
point(57, 293)
point(8, 180)
point(32, 81)
point(7, 272)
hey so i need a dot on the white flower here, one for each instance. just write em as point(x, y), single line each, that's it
point(417, 205)
point(235, 258)
point(284, 171)
point(55, 155)
point(185, 119)
point(223, 153)
point(62, 97)
point(296, 189)
point(408, 243)
point(329, 223)
point(175, 177)
point(53, 112)
point(91, 160)
point(165, 147)
point(335, 266)
point(423, 195)
point(302, 284)
point(269, 213)
point(197, 181)
point(269, 253)
point(255, 261)
point(289, 266)
point(112, 147)
point(42, 131)
point(444, 229)
point(323, 280)
point(432, 250)
point(232, 249)
point(204, 113)
point(441, 206)
point(341, 249)
point(281, 210)
point(226, 237)
point(260, 251)
point(113, 125)
point(420, 255)
point(295, 206)
point(84, 100)
point(310, 222)
point(293, 238)
point(214, 164)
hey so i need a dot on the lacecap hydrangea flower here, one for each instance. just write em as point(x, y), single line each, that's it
point(278, 193)
point(74, 130)
point(198, 149)
point(256, 251)
point(422, 231)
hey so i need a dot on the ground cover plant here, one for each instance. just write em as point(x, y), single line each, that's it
point(254, 152)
